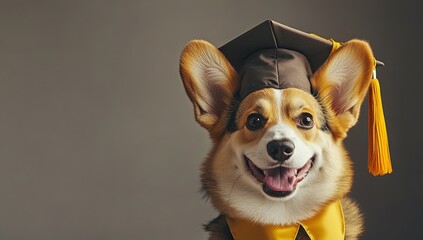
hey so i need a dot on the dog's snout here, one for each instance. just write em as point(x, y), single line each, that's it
point(280, 150)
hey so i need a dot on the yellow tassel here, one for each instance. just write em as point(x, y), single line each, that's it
point(379, 162)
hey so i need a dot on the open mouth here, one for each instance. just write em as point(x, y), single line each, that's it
point(279, 181)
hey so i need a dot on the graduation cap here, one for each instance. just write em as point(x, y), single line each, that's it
point(272, 55)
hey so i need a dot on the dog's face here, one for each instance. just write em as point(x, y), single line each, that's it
point(277, 154)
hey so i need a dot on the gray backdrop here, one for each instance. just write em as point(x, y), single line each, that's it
point(97, 137)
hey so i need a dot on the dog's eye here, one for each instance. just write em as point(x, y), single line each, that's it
point(305, 120)
point(255, 121)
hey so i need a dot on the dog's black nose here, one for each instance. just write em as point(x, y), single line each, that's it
point(280, 150)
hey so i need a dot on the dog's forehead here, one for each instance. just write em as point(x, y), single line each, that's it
point(292, 99)
point(271, 101)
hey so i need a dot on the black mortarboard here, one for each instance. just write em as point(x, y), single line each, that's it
point(276, 56)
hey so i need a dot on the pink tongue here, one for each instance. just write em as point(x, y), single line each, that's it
point(280, 179)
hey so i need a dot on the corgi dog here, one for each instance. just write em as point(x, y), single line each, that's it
point(277, 156)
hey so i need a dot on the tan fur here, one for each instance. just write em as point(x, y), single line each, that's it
point(353, 219)
point(341, 83)
point(355, 55)
point(209, 81)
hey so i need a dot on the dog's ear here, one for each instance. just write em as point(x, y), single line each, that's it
point(342, 83)
point(209, 79)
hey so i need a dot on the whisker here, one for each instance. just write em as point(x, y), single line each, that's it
point(233, 185)
point(252, 154)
